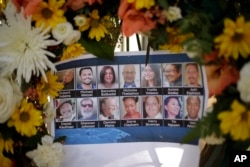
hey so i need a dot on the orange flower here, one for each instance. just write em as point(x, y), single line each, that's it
point(124, 6)
point(75, 4)
point(211, 57)
point(91, 2)
point(220, 76)
point(78, 4)
point(135, 21)
point(29, 6)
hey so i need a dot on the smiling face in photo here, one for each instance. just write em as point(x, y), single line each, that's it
point(152, 106)
point(66, 110)
point(149, 73)
point(86, 76)
point(171, 73)
point(173, 107)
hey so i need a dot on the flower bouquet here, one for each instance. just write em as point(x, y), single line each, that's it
point(36, 34)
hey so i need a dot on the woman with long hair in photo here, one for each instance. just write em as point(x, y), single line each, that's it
point(172, 107)
point(151, 76)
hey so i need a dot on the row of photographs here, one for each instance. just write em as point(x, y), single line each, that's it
point(129, 107)
point(131, 76)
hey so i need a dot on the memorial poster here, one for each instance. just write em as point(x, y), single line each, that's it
point(128, 99)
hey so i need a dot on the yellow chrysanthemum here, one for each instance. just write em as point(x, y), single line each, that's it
point(50, 88)
point(235, 39)
point(73, 51)
point(25, 119)
point(175, 41)
point(49, 14)
point(139, 4)
point(6, 145)
point(236, 122)
point(98, 30)
point(5, 162)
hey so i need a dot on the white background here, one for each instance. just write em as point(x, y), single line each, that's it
point(140, 154)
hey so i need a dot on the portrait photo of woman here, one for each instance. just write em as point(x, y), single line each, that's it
point(151, 75)
point(152, 107)
point(172, 107)
point(108, 78)
point(131, 108)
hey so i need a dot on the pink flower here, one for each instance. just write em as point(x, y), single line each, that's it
point(28, 5)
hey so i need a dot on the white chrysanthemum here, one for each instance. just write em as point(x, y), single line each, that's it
point(62, 31)
point(49, 112)
point(72, 38)
point(213, 140)
point(80, 20)
point(48, 154)
point(193, 49)
point(23, 48)
point(173, 13)
point(10, 97)
point(244, 82)
point(10, 7)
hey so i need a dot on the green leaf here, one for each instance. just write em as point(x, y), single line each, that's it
point(99, 49)
point(163, 3)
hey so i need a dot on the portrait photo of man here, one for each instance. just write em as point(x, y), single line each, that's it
point(109, 108)
point(130, 76)
point(86, 78)
point(192, 75)
point(87, 109)
point(172, 74)
point(193, 106)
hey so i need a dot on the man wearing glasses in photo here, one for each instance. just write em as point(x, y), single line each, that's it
point(86, 110)
point(173, 74)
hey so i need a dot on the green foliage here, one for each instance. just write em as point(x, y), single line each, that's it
point(163, 3)
point(99, 49)
point(158, 37)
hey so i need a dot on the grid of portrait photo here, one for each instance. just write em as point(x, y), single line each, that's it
point(129, 95)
